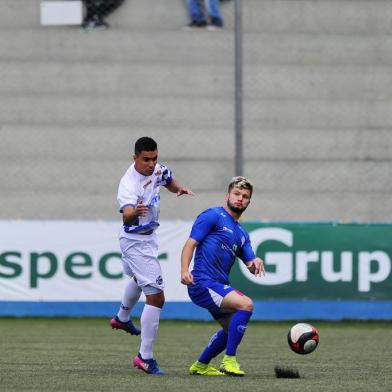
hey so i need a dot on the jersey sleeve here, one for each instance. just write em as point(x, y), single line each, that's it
point(126, 195)
point(246, 253)
point(203, 225)
point(166, 176)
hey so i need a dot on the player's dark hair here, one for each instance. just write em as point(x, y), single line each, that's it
point(145, 143)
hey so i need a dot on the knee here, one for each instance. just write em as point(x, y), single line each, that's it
point(247, 304)
point(157, 300)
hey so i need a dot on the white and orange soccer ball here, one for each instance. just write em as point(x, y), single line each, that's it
point(303, 338)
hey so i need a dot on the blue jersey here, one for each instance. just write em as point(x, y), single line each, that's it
point(220, 240)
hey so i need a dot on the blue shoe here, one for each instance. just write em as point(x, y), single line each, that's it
point(150, 366)
point(127, 327)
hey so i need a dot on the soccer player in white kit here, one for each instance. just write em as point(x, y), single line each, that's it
point(138, 198)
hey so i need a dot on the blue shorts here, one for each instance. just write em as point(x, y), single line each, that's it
point(209, 295)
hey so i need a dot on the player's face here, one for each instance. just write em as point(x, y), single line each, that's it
point(238, 199)
point(145, 162)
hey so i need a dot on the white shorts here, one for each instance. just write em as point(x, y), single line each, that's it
point(140, 260)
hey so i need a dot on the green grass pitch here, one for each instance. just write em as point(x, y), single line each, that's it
point(87, 355)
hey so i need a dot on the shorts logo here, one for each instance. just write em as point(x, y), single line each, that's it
point(159, 280)
point(241, 329)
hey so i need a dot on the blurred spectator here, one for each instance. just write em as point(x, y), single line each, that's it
point(97, 10)
point(203, 15)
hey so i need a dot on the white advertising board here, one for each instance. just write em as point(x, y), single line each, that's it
point(77, 260)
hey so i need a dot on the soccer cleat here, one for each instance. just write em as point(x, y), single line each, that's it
point(150, 366)
point(231, 367)
point(127, 326)
point(204, 369)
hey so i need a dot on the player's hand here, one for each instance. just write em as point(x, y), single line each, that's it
point(186, 278)
point(184, 191)
point(141, 209)
point(256, 267)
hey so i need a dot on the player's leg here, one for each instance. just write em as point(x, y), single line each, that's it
point(131, 293)
point(130, 297)
point(148, 273)
point(242, 306)
point(210, 297)
point(149, 322)
point(214, 347)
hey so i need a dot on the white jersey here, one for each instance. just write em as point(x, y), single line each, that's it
point(135, 188)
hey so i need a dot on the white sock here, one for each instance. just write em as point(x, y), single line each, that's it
point(149, 322)
point(131, 295)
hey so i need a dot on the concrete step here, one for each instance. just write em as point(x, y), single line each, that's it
point(343, 206)
point(91, 194)
point(136, 113)
point(95, 174)
point(308, 16)
point(316, 176)
point(261, 82)
point(318, 114)
point(69, 172)
point(116, 144)
point(114, 46)
point(116, 79)
point(318, 16)
point(145, 113)
point(100, 175)
point(276, 206)
point(312, 144)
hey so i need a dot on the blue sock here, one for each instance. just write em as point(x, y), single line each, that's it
point(237, 328)
point(215, 346)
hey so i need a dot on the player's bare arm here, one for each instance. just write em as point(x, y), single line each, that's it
point(130, 214)
point(256, 267)
point(175, 187)
point(186, 258)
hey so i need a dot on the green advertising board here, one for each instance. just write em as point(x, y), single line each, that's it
point(319, 261)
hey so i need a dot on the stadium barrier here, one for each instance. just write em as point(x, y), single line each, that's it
point(327, 271)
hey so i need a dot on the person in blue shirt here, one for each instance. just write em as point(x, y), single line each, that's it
point(219, 239)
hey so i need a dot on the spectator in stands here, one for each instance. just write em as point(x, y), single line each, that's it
point(97, 10)
point(205, 15)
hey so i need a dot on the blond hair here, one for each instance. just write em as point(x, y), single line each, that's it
point(241, 183)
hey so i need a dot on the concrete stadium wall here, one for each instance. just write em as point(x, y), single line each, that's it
point(317, 108)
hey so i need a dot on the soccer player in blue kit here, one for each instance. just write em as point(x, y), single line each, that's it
point(218, 239)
